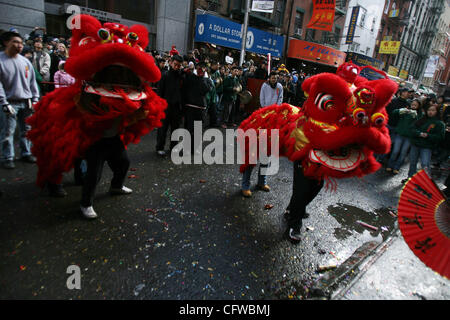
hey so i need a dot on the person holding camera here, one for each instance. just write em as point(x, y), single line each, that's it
point(18, 90)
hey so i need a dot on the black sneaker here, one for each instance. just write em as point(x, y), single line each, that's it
point(294, 233)
point(29, 159)
point(56, 190)
point(9, 164)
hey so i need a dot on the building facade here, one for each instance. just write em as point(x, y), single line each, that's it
point(363, 18)
point(414, 25)
point(24, 15)
point(166, 20)
point(440, 48)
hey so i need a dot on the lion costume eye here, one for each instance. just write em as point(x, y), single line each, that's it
point(103, 34)
point(324, 101)
point(85, 41)
point(359, 114)
point(132, 36)
point(378, 119)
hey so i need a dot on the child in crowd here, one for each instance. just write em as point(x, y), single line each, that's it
point(62, 78)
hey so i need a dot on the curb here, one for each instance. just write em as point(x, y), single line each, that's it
point(333, 285)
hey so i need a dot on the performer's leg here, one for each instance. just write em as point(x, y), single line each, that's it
point(303, 192)
point(197, 116)
point(119, 163)
point(25, 144)
point(162, 134)
point(246, 182)
point(7, 128)
point(95, 158)
point(175, 123)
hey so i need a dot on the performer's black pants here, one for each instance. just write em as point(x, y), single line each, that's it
point(112, 151)
point(304, 190)
point(193, 114)
point(172, 120)
point(212, 111)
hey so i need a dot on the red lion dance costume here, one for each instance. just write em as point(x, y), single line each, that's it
point(112, 73)
point(335, 134)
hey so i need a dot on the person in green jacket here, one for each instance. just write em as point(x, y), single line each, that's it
point(404, 118)
point(426, 133)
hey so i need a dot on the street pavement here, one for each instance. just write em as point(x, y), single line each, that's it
point(187, 233)
point(395, 273)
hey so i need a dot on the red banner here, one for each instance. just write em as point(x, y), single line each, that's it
point(323, 15)
point(315, 52)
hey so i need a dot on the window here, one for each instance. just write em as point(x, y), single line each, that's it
point(386, 9)
point(354, 47)
point(367, 51)
point(337, 33)
point(298, 27)
point(278, 13)
point(372, 28)
point(362, 21)
point(310, 34)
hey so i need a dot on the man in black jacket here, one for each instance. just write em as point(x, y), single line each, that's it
point(397, 103)
point(195, 88)
point(169, 88)
point(261, 72)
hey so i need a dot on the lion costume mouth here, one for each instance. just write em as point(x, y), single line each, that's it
point(114, 81)
point(344, 159)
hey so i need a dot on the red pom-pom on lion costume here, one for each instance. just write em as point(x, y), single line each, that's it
point(112, 73)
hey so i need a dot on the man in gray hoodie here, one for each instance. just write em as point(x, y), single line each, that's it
point(271, 91)
point(18, 91)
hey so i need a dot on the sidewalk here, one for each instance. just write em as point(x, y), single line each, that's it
point(395, 273)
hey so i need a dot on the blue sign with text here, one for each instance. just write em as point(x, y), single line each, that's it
point(212, 29)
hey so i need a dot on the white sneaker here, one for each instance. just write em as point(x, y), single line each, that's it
point(123, 190)
point(161, 153)
point(89, 212)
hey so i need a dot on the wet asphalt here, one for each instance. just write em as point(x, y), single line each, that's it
point(185, 233)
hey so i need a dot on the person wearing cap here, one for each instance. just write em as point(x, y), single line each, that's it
point(18, 90)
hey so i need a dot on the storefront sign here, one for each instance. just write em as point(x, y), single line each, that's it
point(352, 25)
point(263, 6)
point(323, 15)
point(403, 74)
point(394, 13)
point(362, 60)
point(314, 52)
point(431, 67)
point(226, 33)
point(389, 47)
point(393, 71)
point(100, 15)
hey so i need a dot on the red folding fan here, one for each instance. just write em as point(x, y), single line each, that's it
point(424, 220)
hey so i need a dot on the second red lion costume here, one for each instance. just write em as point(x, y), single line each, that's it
point(335, 134)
